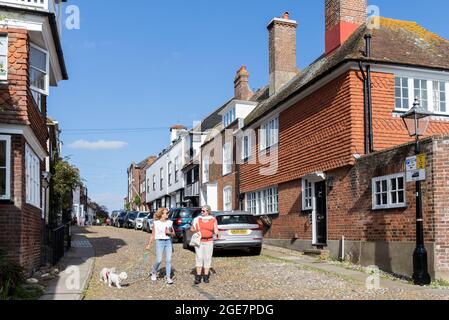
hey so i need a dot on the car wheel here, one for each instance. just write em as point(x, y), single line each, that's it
point(255, 251)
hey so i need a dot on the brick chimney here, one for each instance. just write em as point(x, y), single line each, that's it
point(343, 17)
point(241, 87)
point(282, 50)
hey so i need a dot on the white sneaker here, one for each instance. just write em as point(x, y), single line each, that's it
point(170, 281)
point(153, 277)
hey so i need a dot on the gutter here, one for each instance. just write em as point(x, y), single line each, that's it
point(54, 30)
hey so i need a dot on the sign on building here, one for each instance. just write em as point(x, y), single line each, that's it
point(416, 168)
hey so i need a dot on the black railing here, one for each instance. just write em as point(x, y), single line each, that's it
point(60, 241)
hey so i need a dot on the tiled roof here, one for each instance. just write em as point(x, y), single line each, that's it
point(394, 42)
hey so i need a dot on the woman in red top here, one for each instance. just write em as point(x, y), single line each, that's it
point(208, 227)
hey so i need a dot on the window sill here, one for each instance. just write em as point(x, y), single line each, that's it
point(390, 207)
point(268, 150)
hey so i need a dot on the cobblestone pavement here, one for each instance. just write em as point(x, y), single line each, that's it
point(238, 276)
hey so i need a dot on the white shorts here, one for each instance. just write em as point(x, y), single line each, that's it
point(204, 255)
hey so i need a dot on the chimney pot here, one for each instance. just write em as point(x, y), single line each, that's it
point(286, 15)
point(241, 87)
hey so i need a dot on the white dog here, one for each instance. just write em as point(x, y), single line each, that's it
point(104, 274)
point(117, 278)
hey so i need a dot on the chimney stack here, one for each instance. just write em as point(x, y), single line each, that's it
point(343, 17)
point(176, 131)
point(282, 50)
point(241, 87)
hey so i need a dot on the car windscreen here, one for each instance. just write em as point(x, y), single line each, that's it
point(122, 214)
point(132, 216)
point(142, 215)
point(236, 219)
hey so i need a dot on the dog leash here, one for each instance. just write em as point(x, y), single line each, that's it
point(146, 257)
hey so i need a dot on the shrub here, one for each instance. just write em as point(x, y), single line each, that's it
point(11, 277)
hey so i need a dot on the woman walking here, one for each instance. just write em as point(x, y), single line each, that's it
point(207, 226)
point(162, 233)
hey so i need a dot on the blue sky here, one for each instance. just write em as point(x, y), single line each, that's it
point(152, 64)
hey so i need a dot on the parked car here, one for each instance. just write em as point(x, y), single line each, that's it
point(237, 230)
point(114, 216)
point(120, 219)
point(182, 219)
point(130, 219)
point(138, 225)
point(148, 222)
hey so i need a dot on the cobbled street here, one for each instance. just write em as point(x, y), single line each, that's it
point(238, 276)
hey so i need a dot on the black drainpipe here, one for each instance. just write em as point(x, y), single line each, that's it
point(367, 98)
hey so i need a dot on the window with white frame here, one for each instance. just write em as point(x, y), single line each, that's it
point(263, 202)
point(439, 96)
point(229, 117)
point(402, 93)
point(177, 169)
point(38, 73)
point(269, 134)
point(161, 178)
point(5, 167)
point(170, 173)
point(33, 181)
point(227, 199)
point(420, 86)
point(154, 182)
point(389, 192)
point(3, 57)
point(206, 165)
point(307, 194)
point(227, 158)
point(148, 185)
point(246, 147)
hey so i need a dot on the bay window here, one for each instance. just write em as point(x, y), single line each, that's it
point(5, 167)
point(421, 92)
point(39, 79)
point(389, 192)
point(401, 90)
point(269, 134)
point(3, 57)
point(439, 96)
point(263, 202)
point(33, 177)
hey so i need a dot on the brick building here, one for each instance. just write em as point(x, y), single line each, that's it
point(137, 184)
point(31, 60)
point(308, 167)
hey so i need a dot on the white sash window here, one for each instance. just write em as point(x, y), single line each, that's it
point(3, 57)
point(5, 167)
point(33, 181)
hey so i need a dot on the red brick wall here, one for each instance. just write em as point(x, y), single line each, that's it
point(20, 224)
point(214, 149)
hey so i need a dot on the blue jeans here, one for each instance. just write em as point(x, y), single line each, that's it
point(161, 246)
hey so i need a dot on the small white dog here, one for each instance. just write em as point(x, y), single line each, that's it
point(104, 274)
point(116, 279)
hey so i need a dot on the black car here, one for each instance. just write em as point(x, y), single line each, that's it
point(120, 219)
point(182, 218)
point(130, 220)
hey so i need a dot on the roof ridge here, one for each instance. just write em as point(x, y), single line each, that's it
point(412, 26)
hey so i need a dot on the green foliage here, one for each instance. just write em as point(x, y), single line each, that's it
point(137, 200)
point(65, 178)
point(128, 207)
point(28, 293)
point(11, 277)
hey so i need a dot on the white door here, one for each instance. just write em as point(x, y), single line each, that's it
point(212, 196)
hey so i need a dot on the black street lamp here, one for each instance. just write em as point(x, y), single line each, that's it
point(417, 121)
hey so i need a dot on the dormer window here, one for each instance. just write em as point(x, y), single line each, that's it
point(229, 117)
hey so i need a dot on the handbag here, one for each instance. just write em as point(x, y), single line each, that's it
point(196, 239)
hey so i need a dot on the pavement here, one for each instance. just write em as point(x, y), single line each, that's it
point(75, 271)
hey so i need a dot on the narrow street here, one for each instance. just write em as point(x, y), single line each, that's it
point(238, 276)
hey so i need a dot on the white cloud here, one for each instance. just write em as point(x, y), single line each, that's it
point(98, 145)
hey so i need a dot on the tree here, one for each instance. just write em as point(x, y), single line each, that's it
point(137, 201)
point(65, 179)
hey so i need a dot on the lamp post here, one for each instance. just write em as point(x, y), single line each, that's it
point(417, 121)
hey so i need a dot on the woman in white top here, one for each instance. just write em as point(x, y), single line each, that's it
point(162, 232)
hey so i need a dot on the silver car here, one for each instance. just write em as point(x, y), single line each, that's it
point(237, 230)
